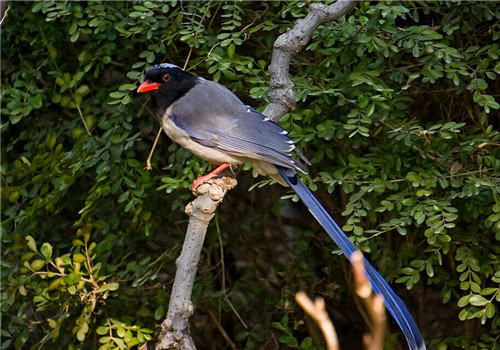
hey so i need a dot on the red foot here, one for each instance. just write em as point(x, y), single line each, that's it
point(210, 177)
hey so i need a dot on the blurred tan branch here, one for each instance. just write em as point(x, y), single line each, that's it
point(318, 313)
point(3, 10)
point(374, 340)
point(374, 305)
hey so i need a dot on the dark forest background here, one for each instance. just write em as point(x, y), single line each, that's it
point(397, 110)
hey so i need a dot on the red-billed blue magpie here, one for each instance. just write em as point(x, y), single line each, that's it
point(213, 123)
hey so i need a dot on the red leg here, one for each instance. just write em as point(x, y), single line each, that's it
point(206, 178)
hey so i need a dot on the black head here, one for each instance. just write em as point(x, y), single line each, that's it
point(167, 83)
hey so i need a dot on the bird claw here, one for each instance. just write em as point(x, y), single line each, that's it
point(210, 179)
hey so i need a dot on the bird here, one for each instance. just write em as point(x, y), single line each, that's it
point(209, 120)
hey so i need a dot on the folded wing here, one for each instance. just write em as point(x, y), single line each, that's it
point(230, 126)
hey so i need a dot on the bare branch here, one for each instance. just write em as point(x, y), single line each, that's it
point(148, 161)
point(374, 304)
point(318, 313)
point(282, 90)
point(174, 332)
point(221, 329)
point(4, 10)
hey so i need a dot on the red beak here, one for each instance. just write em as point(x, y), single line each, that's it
point(148, 86)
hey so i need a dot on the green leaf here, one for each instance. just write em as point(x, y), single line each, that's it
point(419, 217)
point(116, 94)
point(497, 68)
point(414, 178)
point(231, 50)
point(113, 286)
point(52, 323)
point(102, 330)
point(80, 335)
point(159, 312)
point(37, 101)
point(307, 343)
point(79, 258)
point(409, 202)
point(55, 283)
point(83, 90)
point(429, 269)
point(120, 331)
point(490, 310)
point(279, 326)
point(415, 51)
point(127, 87)
point(31, 243)
point(463, 301)
point(223, 36)
point(46, 250)
point(289, 341)
point(494, 217)
point(478, 300)
point(37, 264)
point(358, 231)
point(123, 197)
point(22, 290)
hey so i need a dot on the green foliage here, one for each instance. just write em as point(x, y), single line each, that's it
point(397, 111)
point(288, 338)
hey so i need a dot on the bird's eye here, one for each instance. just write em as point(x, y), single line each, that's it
point(166, 77)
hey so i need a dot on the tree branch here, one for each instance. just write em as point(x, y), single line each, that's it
point(282, 90)
point(374, 304)
point(317, 311)
point(174, 332)
point(4, 9)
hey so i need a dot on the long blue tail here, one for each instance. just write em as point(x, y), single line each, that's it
point(394, 304)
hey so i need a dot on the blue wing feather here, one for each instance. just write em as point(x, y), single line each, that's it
point(394, 304)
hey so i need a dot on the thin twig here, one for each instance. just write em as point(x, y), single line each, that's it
point(148, 161)
point(374, 304)
point(4, 14)
point(221, 329)
point(223, 268)
point(484, 144)
point(318, 313)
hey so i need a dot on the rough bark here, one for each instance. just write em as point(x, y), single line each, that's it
point(174, 332)
point(282, 90)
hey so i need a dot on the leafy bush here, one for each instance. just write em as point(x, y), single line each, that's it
point(397, 110)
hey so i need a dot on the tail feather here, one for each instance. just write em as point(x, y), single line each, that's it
point(394, 304)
